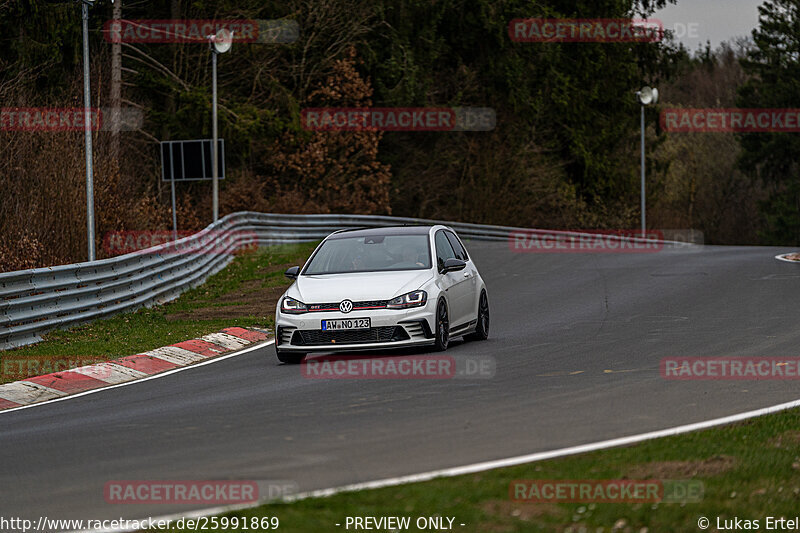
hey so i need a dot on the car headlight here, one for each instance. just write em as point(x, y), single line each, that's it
point(411, 299)
point(292, 306)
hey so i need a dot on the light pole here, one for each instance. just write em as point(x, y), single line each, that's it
point(646, 97)
point(219, 44)
point(87, 129)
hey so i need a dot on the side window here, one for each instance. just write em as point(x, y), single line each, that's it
point(461, 253)
point(444, 250)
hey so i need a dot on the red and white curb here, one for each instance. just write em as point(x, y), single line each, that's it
point(59, 384)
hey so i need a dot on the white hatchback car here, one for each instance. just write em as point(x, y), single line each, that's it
point(379, 288)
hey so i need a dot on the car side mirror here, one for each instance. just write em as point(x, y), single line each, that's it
point(292, 272)
point(453, 265)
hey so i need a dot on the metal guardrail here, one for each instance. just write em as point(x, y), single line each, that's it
point(38, 300)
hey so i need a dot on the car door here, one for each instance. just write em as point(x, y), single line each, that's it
point(455, 284)
point(470, 273)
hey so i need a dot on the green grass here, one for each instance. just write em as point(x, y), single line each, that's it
point(248, 276)
point(749, 470)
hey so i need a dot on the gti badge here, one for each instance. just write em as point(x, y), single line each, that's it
point(346, 306)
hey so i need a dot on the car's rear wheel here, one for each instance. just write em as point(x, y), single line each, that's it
point(482, 328)
point(442, 327)
point(290, 358)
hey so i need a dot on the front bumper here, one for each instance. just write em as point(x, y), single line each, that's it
point(390, 328)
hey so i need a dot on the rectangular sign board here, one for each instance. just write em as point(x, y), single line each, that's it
point(190, 160)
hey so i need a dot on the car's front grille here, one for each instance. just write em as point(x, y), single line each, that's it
point(316, 337)
point(366, 304)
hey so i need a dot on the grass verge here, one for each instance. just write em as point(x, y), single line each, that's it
point(242, 294)
point(749, 470)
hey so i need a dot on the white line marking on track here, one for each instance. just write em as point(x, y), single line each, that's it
point(148, 378)
point(487, 465)
point(782, 257)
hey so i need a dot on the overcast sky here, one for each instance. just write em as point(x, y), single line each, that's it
point(698, 21)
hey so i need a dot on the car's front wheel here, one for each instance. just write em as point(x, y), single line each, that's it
point(482, 328)
point(290, 358)
point(442, 327)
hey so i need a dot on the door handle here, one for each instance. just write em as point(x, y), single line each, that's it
point(466, 274)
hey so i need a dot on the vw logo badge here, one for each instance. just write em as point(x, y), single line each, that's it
point(346, 306)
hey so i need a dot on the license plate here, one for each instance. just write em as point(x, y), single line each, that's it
point(346, 323)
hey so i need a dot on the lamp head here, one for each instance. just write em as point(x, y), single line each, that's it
point(222, 41)
point(647, 96)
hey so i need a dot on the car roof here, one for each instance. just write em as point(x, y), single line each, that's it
point(387, 230)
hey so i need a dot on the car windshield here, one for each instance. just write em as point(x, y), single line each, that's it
point(371, 253)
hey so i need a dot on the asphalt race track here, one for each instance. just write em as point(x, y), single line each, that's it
point(577, 338)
